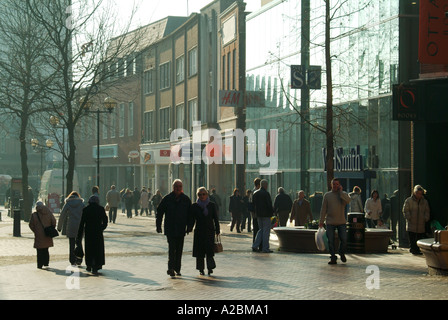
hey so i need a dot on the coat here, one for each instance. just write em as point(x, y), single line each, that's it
point(177, 214)
point(416, 214)
point(206, 226)
point(41, 241)
point(301, 213)
point(356, 203)
point(373, 209)
point(71, 216)
point(93, 223)
point(263, 204)
point(144, 200)
point(282, 203)
point(113, 198)
point(236, 206)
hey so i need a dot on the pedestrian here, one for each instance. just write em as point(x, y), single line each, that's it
point(144, 201)
point(205, 220)
point(113, 200)
point(149, 201)
point(356, 203)
point(416, 212)
point(156, 199)
point(175, 210)
point(96, 191)
point(40, 219)
point(255, 228)
point(373, 209)
point(333, 213)
point(385, 205)
point(214, 197)
point(122, 193)
point(301, 210)
point(128, 200)
point(264, 211)
point(71, 217)
point(246, 213)
point(236, 208)
point(282, 206)
point(136, 200)
point(93, 223)
point(394, 214)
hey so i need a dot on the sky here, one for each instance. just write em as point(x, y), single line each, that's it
point(153, 10)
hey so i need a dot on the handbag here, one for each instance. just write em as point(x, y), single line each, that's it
point(49, 231)
point(217, 247)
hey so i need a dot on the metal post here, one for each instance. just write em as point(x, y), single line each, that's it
point(16, 230)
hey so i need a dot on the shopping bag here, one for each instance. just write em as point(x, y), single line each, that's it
point(320, 239)
point(218, 245)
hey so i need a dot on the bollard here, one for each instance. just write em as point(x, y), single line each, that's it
point(16, 232)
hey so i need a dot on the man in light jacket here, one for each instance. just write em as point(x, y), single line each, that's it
point(333, 212)
point(416, 213)
point(113, 199)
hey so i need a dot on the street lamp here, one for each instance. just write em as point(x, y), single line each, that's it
point(54, 121)
point(39, 148)
point(109, 104)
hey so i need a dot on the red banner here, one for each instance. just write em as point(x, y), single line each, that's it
point(433, 38)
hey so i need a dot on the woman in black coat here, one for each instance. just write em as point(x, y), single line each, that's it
point(206, 222)
point(93, 222)
point(236, 209)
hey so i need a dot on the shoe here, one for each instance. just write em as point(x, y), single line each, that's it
point(210, 271)
point(201, 272)
point(255, 250)
point(332, 261)
point(343, 258)
point(178, 273)
point(267, 251)
point(170, 272)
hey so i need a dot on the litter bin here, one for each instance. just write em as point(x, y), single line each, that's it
point(356, 228)
point(16, 231)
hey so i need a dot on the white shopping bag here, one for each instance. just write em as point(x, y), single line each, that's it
point(320, 239)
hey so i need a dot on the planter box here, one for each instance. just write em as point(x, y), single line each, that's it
point(299, 239)
point(436, 255)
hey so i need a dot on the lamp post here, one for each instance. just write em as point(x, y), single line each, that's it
point(54, 121)
point(109, 104)
point(39, 148)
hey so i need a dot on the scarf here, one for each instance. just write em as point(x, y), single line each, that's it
point(203, 205)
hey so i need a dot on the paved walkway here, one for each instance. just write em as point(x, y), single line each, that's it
point(136, 263)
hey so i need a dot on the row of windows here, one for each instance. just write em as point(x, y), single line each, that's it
point(165, 72)
point(164, 121)
point(121, 120)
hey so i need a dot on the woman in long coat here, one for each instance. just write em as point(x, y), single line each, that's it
point(71, 217)
point(93, 222)
point(41, 241)
point(206, 222)
point(236, 209)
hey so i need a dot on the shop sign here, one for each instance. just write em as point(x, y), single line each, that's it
point(405, 103)
point(353, 161)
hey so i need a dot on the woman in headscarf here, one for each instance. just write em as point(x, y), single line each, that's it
point(205, 220)
point(93, 223)
point(40, 219)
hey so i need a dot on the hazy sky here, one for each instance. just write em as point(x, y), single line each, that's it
point(153, 10)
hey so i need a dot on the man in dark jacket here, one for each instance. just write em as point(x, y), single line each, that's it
point(264, 211)
point(176, 207)
point(282, 206)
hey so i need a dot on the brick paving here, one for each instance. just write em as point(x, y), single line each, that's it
point(136, 263)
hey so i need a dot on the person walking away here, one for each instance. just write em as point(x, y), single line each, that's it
point(156, 199)
point(301, 210)
point(175, 211)
point(264, 211)
point(128, 199)
point(416, 212)
point(236, 208)
point(385, 205)
point(205, 220)
point(149, 201)
point(136, 200)
point(373, 209)
point(40, 219)
point(144, 200)
point(113, 199)
point(71, 217)
point(356, 203)
point(214, 197)
point(333, 214)
point(282, 206)
point(93, 223)
point(246, 213)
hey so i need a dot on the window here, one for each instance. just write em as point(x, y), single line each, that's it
point(165, 75)
point(104, 125)
point(193, 62)
point(113, 123)
point(180, 116)
point(164, 117)
point(131, 119)
point(180, 66)
point(234, 69)
point(193, 112)
point(148, 126)
point(121, 120)
point(223, 72)
point(148, 82)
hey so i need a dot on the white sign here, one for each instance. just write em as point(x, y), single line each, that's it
point(134, 154)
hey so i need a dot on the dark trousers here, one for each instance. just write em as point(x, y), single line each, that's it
point(200, 265)
point(112, 214)
point(246, 216)
point(43, 257)
point(413, 238)
point(175, 249)
point(71, 247)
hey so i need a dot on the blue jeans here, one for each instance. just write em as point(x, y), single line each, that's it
point(342, 235)
point(264, 231)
